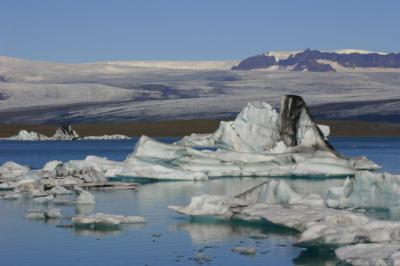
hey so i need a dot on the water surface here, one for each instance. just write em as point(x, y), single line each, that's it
point(167, 238)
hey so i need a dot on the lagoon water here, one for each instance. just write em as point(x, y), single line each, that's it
point(168, 238)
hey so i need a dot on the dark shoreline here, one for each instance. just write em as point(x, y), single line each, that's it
point(186, 127)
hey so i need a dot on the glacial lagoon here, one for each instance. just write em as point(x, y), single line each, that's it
point(167, 238)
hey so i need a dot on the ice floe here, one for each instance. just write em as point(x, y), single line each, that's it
point(104, 220)
point(278, 204)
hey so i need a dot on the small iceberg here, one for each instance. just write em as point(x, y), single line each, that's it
point(65, 132)
point(103, 220)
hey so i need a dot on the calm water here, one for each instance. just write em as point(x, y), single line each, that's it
point(24, 242)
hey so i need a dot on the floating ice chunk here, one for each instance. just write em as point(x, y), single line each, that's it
point(212, 205)
point(304, 213)
point(366, 190)
point(102, 219)
point(271, 192)
point(248, 251)
point(385, 254)
point(11, 171)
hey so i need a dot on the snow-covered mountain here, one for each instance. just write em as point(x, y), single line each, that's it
point(322, 61)
point(47, 92)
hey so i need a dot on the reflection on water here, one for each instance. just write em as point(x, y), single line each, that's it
point(179, 238)
point(316, 256)
point(217, 230)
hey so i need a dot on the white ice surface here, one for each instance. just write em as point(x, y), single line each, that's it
point(367, 190)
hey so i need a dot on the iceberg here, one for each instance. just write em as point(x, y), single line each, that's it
point(65, 133)
point(26, 135)
point(259, 142)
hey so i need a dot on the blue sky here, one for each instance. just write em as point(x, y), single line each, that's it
point(89, 30)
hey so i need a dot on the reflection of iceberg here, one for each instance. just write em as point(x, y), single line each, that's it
point(217, 230)
point(260, 142)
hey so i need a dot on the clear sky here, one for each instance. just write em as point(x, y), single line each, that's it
point(96, 30)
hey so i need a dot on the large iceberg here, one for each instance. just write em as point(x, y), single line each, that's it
point(259, 142)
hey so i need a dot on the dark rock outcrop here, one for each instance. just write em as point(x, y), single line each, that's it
point(258, 61)
point(297, 127)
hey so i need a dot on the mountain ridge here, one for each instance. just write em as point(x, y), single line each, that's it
point(321, 61)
